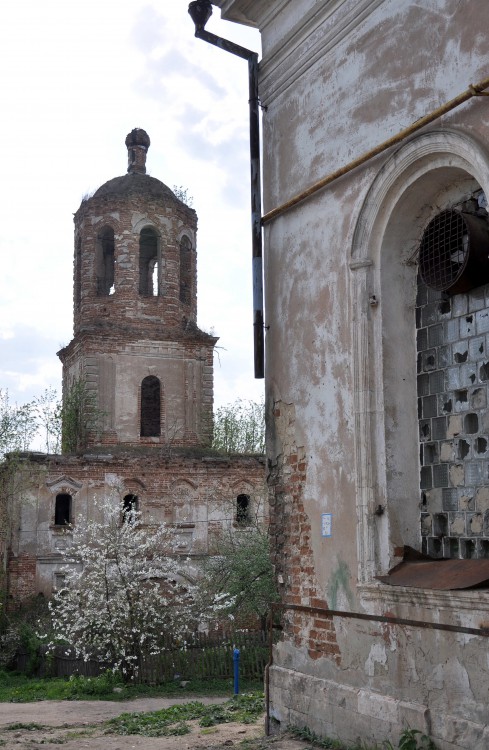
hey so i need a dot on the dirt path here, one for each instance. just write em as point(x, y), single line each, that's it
point(79, 725)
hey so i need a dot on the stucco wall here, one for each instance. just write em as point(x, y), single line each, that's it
point(337, 79)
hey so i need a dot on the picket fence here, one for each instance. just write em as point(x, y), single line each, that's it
point(201, 656)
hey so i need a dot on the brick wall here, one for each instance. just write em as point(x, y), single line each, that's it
point(196, 494)
point(290, 531)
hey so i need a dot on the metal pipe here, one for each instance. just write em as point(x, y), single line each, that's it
point(473, 90)
point(267, 672)
point(200, 11)
point(389, 620)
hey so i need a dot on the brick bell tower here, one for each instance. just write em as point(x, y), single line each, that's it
point(136, 346)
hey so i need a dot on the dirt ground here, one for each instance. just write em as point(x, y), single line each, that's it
point(79, 724)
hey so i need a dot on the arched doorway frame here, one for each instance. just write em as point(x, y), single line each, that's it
point(425, 175)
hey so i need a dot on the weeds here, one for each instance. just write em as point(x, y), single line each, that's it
point(411, 739)
point(30, 726)
point(245, 708)
point(17, 688)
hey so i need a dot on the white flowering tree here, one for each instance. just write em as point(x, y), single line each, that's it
point(122, 593)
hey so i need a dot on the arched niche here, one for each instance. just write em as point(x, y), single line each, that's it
point(424, 176)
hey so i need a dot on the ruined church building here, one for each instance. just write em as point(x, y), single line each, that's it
point(148, 371)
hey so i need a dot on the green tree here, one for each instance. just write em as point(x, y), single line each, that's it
point(80, 416)
point(240, 427)
point(18, 425)
point(238, 582)
point(238, 578)
point(48, 412)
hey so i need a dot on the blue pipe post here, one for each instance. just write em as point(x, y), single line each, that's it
point(236, 670)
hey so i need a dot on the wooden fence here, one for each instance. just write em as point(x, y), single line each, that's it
point(201, 656)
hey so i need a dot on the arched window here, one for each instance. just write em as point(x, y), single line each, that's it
point(105, 262)
point(149, 266)
point(243, 510)
point(185, 270)
point(62, 509)
point(130, 505)
point(150, 407)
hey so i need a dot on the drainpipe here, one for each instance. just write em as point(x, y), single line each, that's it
point(200, 11)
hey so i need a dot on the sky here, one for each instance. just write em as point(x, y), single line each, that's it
point(76, 78)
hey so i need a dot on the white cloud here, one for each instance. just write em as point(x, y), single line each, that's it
point(77, 77)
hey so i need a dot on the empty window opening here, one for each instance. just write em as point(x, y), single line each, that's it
point(148, 262)
point(463, 448)
point(155, 277)
point(445, 307)
point(481, 445)
point(447, 406)
point(62, 509)
point(461, 357)
point(430, 453)
point(59, 581)
point(150, 407)
point(440, 525)
point(130, 505)
point(484, 371)
point(462, 396)
point(243, 510)
point(467, 549)
point(471, 423)
point(185, 270)
point(105, 262)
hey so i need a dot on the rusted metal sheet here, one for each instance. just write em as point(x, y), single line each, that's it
point(422, 572)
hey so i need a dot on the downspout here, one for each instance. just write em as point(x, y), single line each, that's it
point(200, 12)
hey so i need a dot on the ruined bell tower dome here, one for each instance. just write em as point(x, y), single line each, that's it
point(136, 345)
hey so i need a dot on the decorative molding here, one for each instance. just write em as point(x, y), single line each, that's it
point(64, 484)
point(284, 63)
point(423, 158)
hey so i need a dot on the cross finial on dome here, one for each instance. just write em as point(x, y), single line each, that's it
point(137, 142)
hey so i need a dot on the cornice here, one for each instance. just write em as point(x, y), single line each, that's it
point(320, 30)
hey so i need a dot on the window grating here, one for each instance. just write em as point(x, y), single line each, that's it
point(444, 250)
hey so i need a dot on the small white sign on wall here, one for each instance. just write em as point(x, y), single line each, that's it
point(326, 524)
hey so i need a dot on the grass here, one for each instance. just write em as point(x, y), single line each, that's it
point(245, 708)
point(411, 739)
point(17, 688)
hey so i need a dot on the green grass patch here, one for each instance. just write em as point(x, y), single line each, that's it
point(29, 726)
point(172, 721)
point(18, 688)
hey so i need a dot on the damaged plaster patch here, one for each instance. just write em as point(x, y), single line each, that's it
point(377, 655)
point(339, 585)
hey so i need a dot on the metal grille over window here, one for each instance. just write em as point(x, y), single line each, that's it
point(453, 256)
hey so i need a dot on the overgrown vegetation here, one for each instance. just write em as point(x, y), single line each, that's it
point(79, 415)
point(18, 688)
point(244, 708)
point(19, 632)
point(183, 195)
point(240, 428)
point(238, 580)
point(410, 739)
point(58, 425)
point(19, 425)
